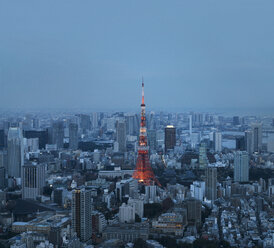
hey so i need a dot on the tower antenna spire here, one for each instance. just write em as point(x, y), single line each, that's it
point(143, 92)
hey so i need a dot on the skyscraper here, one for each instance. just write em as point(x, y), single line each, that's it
point(73, 136)
point(249, 142)
point(170, 137)
point(211, 183)
point(57, 134)
point(33, 180)
point(217, 139)
point(152, 139)
point(82, 213)
point(257, 136)
point(121, 136)
point(194, 209)
point(15, 152)
point(241, 166)
point(203, 160)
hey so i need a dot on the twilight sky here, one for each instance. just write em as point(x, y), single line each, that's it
point(199, 55)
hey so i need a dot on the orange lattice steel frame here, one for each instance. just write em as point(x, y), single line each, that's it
point(143, 171)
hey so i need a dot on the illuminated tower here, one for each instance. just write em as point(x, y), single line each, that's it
point(143, 171)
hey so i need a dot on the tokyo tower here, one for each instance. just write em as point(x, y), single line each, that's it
point(143, 171)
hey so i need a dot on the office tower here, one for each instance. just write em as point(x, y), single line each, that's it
point(130, 124)
point(194, 209)
point(143, 171)
point(2, 139)
point(15, 152)
point(138, 205)
point(190, 125)
point(31, 145)
point(257, 136)
point(236, 120)
point(249, 142)
point(240, 143)
point(170, 137)
point(197, 190)
point(2, 178)
point(121, 136)
point(94, 120)
point(57, 134)
point(127, 213)
point(150, 193)
point(211, 183)
point(4, 159)
point(73, 136)
point(33, 180)
point(42, 135)
point(217, 140)
point(203, 160)
point(85, 122)
point(82, 213)
point(152, 139)
point(241, 167)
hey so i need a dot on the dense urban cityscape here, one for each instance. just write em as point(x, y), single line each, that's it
point(136, 124)
point(153, 179)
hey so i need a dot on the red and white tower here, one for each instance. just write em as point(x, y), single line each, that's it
point(143, 171)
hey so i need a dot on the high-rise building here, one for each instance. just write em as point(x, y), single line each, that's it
point(94, 120)
point(170, 137)
point(57, 134)
point(15, 152)
point(190, 125)
point(82, 213)
point(127, 213)
point(130, 124)
point(2, 178)
point(240, 143)
point(85, 122)
point(203, 160)
point(194, 210)
point(152, 139)
point(249, 142)
point(241, 167)
point(42, 135)
point(2, 139)
point(217, 140)
point(138, 205)
point(73, 136)
point(121, 136)
point(257, 136)
point(33, 180)
point(211, 183)
point(236, 120)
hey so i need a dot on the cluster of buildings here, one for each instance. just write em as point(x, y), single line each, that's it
point(67, 180)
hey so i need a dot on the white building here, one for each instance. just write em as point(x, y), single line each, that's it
point(217, 139)
point(138, 205)
point(127, 213)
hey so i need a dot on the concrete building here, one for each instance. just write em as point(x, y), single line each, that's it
point(127, 213)
point(33, 180)
point(211, 183)
point(15, 152)
point(217, 140)
point(257, 136)
point(73, 136)
point(82, 213)
point(121, 136)
point(138, 204)
point(170, 137)
point(241, 167)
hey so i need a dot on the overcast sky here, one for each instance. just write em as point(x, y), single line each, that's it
point(92, 54)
